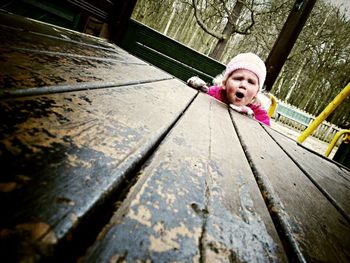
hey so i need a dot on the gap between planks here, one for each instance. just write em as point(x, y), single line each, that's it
point(271, 199)
point(111, 203)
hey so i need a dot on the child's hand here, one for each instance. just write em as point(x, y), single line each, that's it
point(243, 109)
point(197, 83)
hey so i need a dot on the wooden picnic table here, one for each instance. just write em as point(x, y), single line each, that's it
point(105, 158)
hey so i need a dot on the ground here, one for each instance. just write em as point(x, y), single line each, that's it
point(311, 142)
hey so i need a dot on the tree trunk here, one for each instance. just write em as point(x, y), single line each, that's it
point(170, 19)
point(229, 29)
point(280, 82)
point(194, 36)
point(186, 25)
point(295, 81)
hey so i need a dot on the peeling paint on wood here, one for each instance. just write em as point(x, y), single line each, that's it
point(63, 153)
point(65, 150)
point(7, 187)
point(78, 118)
point(181, 207)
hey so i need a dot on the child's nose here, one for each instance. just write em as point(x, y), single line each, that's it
point(243, 84)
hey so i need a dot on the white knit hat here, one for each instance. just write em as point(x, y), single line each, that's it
point(250, 62)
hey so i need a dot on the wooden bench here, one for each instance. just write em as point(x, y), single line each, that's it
point(166, 53)
point(106, 158)
point(292, 114)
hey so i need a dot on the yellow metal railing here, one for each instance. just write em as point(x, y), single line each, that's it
point(336, 137)
point(273, 105)
point(325, 113)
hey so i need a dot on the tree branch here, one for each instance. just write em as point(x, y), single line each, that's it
point(223, 2)
point(246, 31)
point(202, 25)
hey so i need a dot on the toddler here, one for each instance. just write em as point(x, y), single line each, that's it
point(242, 81)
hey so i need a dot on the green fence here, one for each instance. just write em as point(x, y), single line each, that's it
point(168, 54)
point(300, 120)
point(284, 110)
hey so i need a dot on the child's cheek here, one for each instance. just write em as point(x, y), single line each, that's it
point(231, 90)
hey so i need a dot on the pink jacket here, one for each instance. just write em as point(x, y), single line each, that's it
point(260, 113)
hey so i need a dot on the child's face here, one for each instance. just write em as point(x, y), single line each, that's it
point(241, 87)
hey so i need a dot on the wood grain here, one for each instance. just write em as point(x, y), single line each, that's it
point(333, 181)
point(65, 153)
point(34, 55)
point(311, 226)
point(196, 200)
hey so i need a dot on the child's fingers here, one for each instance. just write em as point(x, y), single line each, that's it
point(243, 109)
point(197, 83)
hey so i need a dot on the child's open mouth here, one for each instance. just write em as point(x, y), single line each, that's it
point(239, 95)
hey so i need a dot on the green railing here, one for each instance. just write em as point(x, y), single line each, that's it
point(168, 54)
point(293, 114)
point(300, 120)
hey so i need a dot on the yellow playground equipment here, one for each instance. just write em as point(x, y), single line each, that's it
point(324, 114)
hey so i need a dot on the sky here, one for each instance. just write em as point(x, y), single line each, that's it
point(345, 3)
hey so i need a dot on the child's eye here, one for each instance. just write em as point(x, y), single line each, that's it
point(251, 81)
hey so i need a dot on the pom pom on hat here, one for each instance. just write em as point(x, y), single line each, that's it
point(250, 62)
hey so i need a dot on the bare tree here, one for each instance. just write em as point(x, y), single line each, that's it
point(317, 68)
point(237, 17)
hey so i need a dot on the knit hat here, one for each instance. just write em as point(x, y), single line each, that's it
point(250, 62)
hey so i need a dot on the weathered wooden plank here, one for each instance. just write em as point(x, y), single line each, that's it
point(25, 69)
point(196, 200)
point(12, 37)
point(309, 224)
point(64, 154)
point(20, 23)
point(333, 181)
point(62, 60)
